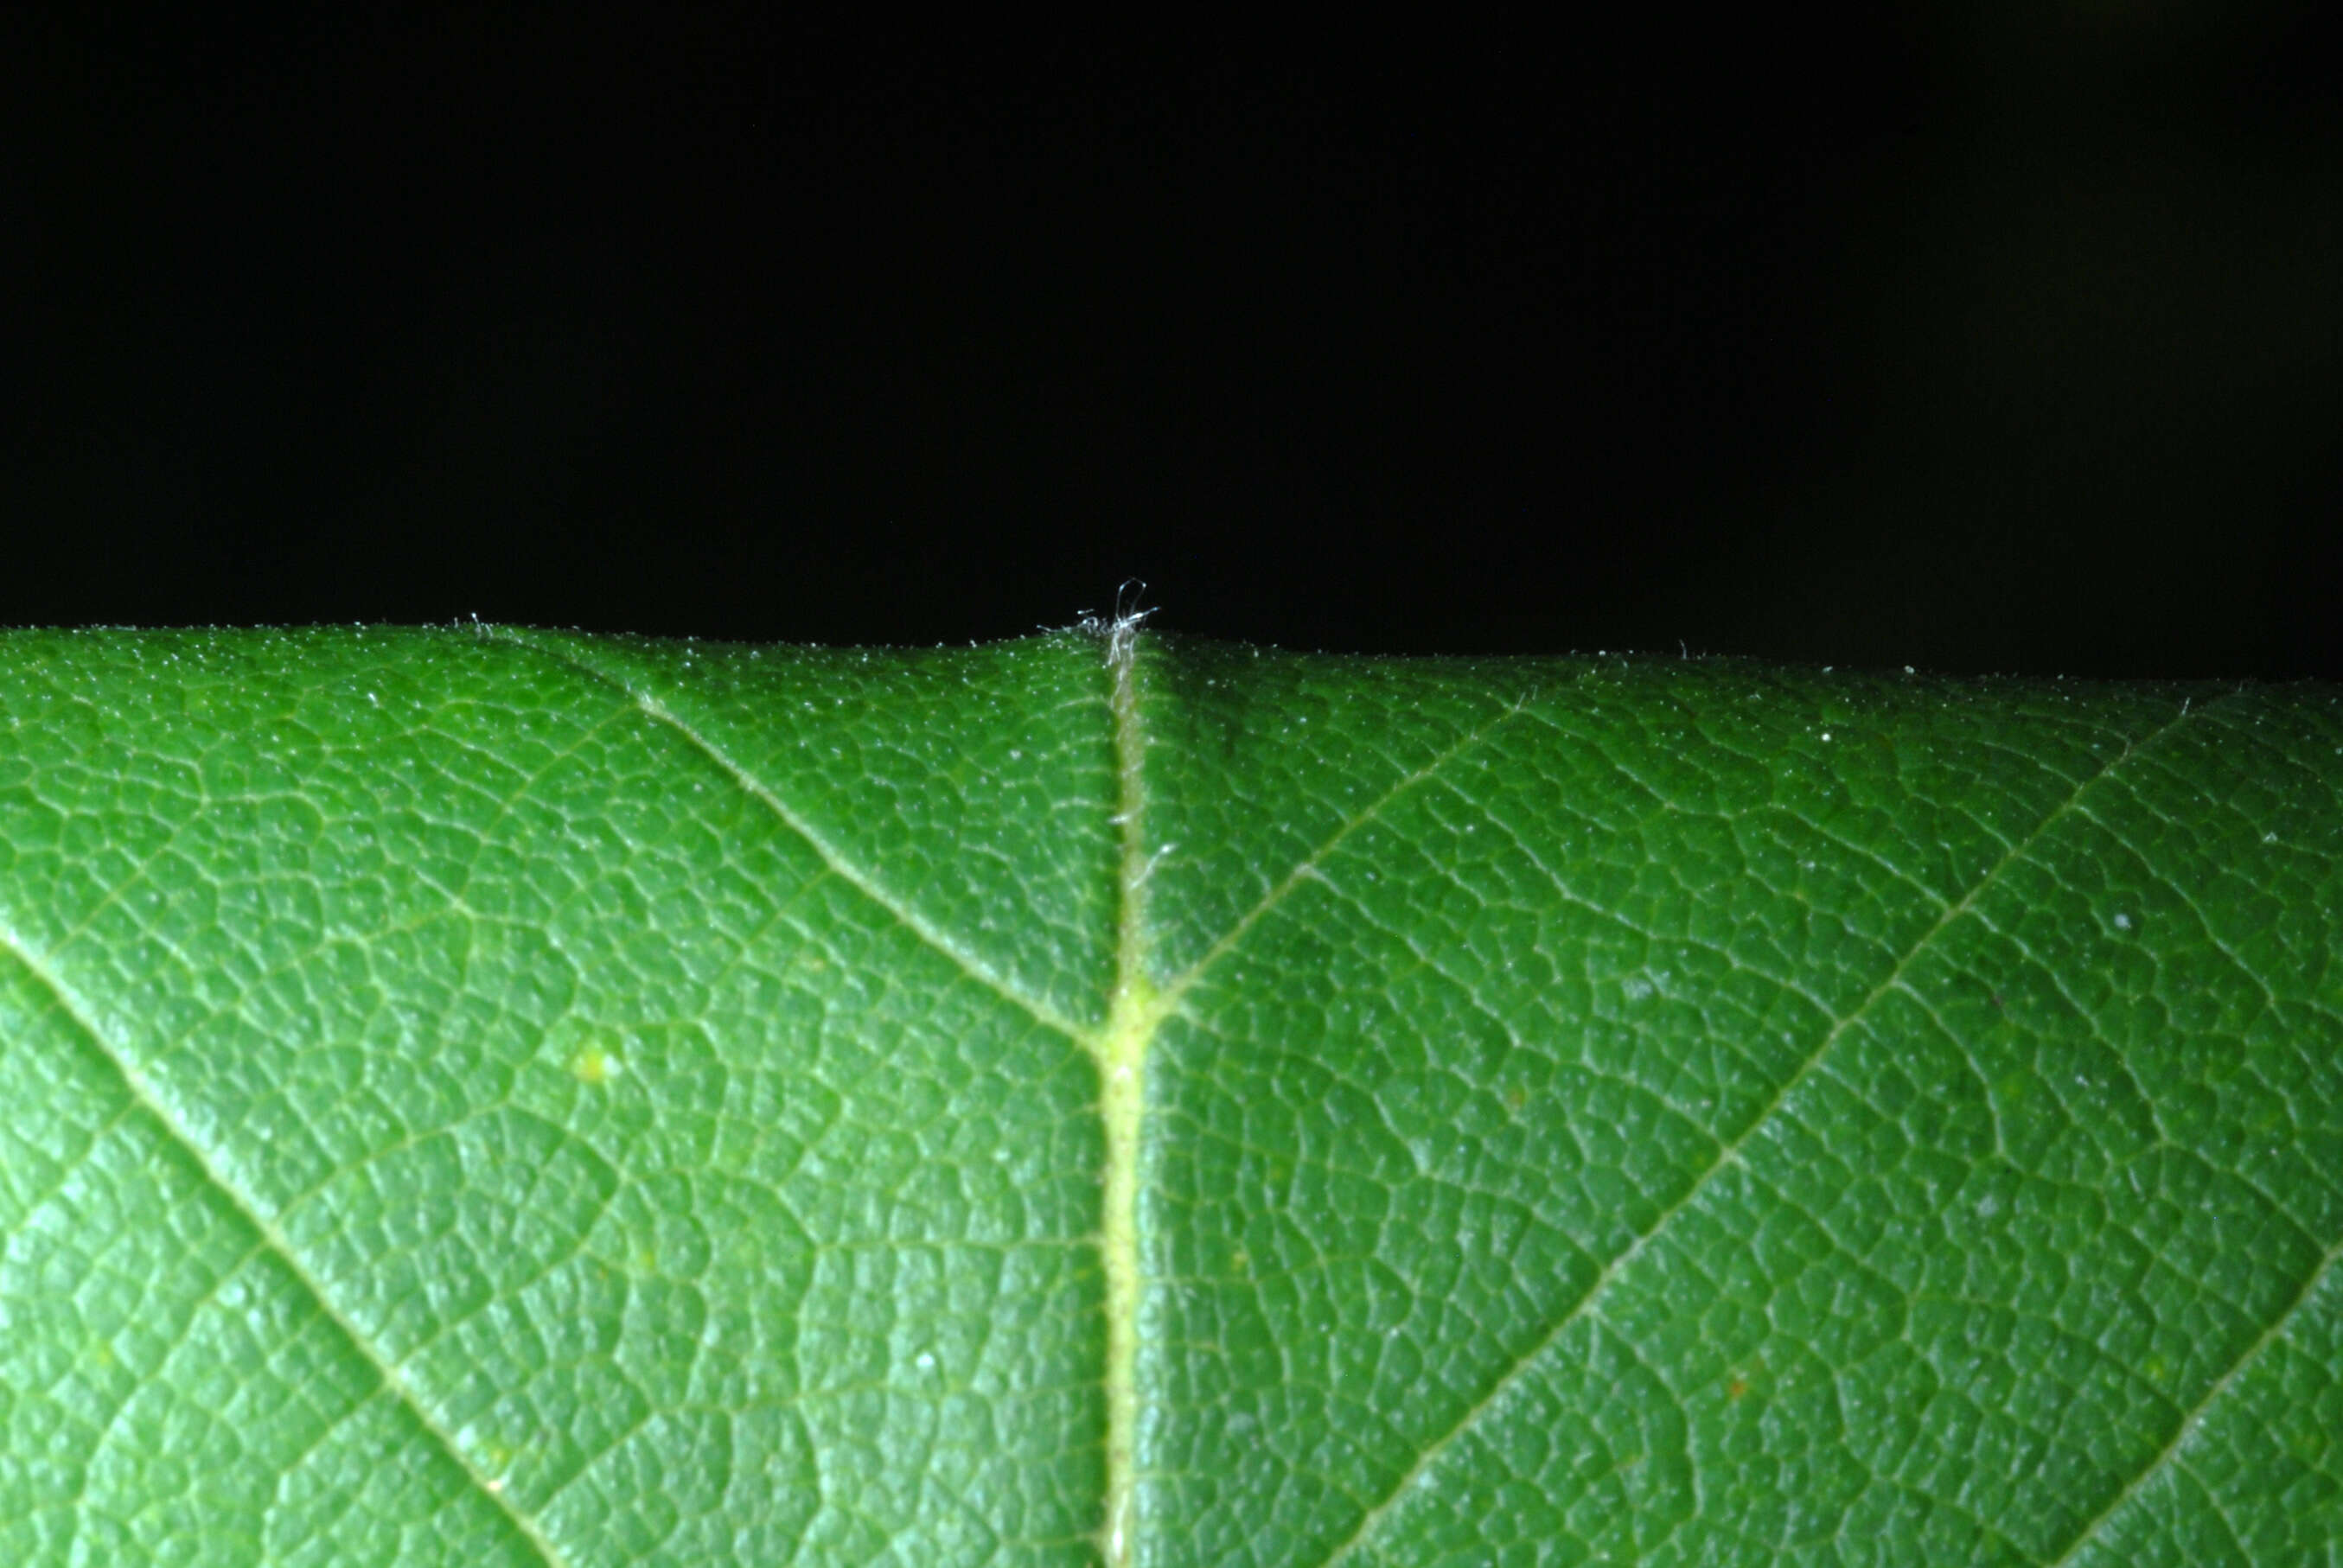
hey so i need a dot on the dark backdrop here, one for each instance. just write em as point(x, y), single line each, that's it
point(1974, 338)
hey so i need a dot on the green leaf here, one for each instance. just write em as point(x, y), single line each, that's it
point(499, 1097)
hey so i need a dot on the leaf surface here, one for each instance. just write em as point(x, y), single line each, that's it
point(517, 1098)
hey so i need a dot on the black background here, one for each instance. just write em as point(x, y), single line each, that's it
point(1976, 337)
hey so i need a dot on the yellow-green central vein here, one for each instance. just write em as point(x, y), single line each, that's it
point(1121, 1051)
point(1138, 1009)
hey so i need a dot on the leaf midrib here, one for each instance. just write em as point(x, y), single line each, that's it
point(1120, 1053)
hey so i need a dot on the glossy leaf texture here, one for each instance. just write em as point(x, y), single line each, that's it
point(498, 1097)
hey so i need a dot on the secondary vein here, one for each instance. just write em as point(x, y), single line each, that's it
point(845, 869)
point(1174, 988)
point(1727, 1153)
point(2192, 1421)
point(273, 1238)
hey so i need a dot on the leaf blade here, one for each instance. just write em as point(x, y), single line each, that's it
point(1673, 1110)
point(1624, 1510)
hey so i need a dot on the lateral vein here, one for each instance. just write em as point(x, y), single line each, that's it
point(1727, 1154)
point(2193, 1420)
point(1308, 866)
point(830, 856)
point(273, 1239)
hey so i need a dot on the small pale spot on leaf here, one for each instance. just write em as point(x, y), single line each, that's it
point(595, 1065)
